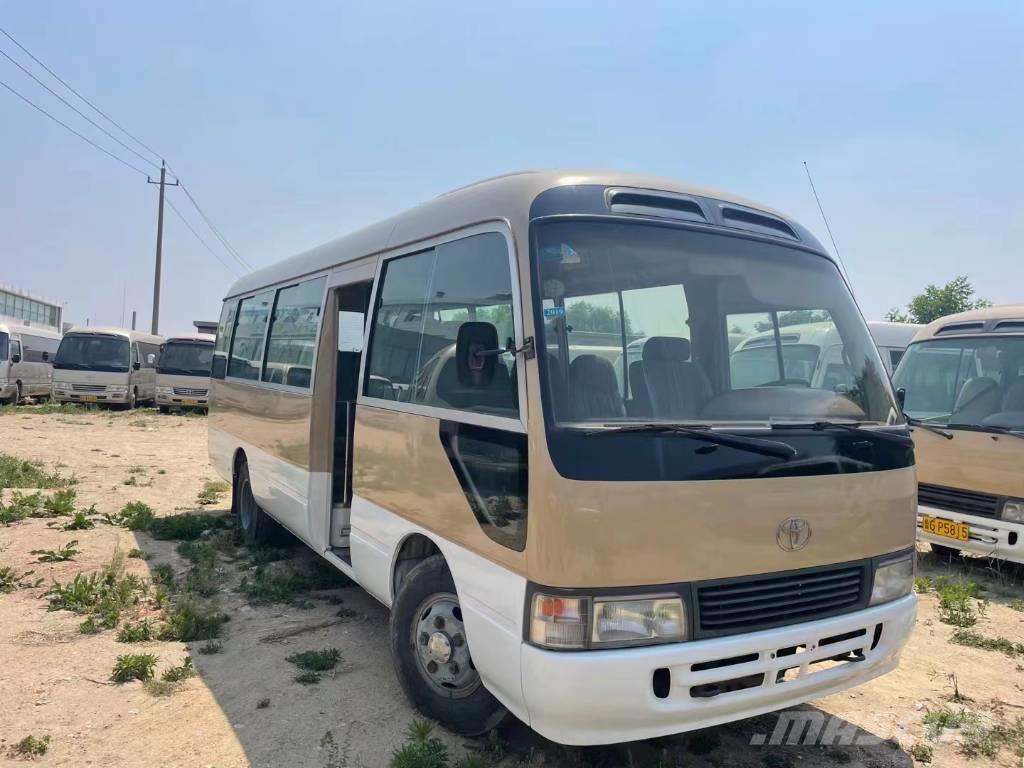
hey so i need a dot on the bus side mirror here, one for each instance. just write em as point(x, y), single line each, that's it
point(46, 356)
point(15, 358)
point(136, 365)
point(476, 350)
point(901, 396)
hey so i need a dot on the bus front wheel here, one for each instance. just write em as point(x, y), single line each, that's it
point(431, 653)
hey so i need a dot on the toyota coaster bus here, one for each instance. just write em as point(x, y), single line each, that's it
point(608, 556)
point(26, 362)
point(963, 379)
point(183, 372)
point(108, 366)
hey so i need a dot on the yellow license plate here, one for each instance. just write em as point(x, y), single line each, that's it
point(949, 529)
point(89, 398)
point(190, 402)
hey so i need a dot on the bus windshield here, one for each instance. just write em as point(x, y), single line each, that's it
point(965, 381)
point(186, 358)
point(638, 321)
point(85, 352)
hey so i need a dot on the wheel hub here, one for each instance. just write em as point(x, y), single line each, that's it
point(439, 637)
point(439, 647)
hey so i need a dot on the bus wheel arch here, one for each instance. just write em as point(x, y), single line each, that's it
point(255, 525)
point(414, 549)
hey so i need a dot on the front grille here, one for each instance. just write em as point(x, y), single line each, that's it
point(187, 392)
point(89, 387)
point(958, 500)
point(751, 603)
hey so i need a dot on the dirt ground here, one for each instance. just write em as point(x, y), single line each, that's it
point(55, 680)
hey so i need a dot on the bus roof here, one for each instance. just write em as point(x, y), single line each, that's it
point(191, 337)
point(507, 197)
point(31, 330)
point(889, 334)
point(800, 333)
point(1006, 318)
point(106, 330)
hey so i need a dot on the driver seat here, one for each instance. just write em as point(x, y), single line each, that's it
point(677, 386)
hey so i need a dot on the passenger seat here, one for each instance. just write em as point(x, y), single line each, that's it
point(594, 392)
point(678, 387)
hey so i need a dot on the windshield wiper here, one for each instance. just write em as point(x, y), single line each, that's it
point(705, 433)
point(855, 427)
point(991, 428)
point(928, 427)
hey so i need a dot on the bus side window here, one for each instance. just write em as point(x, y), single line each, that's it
point(225, 328)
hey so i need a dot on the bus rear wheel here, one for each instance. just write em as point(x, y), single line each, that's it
point(432, 656)
point(256, 526)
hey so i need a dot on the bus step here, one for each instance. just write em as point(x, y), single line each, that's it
point(345, 553)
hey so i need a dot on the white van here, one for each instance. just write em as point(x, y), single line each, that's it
point(183, 372)
point(113, 366)
point(26, 361)
point(813, 353)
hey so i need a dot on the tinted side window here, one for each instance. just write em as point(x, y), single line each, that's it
point(148, 349)
point(398, 326)
point(247, 344)
point(223, 344)
point(292, 342)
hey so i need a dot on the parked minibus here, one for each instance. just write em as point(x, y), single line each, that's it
point(892, 340)
point(183, 372)
point(26, 361)
point(607, 555)
point(109, 366)
point(962, 380)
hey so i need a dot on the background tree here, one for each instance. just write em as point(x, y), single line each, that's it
point(939, 301)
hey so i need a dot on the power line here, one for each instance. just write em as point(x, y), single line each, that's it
point(230, 248)
point(66, 85)
point(68, 127)
point(205, 245)
point(825, 219)
point(76, 110)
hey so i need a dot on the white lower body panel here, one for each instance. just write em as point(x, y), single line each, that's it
point(604, 697)
point(990, 537)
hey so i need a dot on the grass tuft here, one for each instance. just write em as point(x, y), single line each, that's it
point(61, 502)
point(140, 632)
point(135, 516)
point(211, 492)
point(81, 521)
point(31, 747)
point(182, 672)
point(187, 622)
point(133, 666)
point(421, 749)
point(19, 473)
point(316, 661)
point(67, 552)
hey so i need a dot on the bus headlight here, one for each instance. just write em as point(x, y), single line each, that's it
point(575, 623)
point(60, 386)
point(1013, 510)
point(117, 389)
point(654, 620)
point(893, 579)
point(164, 391)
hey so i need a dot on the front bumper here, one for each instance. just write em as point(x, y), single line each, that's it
point(990, 536)
point(180, 401)
point(604, 697)
point(70, 396)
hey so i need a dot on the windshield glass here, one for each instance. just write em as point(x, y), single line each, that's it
point(638, 322)
point(975, 381)
point(186, 358)
point(92, 353)
point(3, 347)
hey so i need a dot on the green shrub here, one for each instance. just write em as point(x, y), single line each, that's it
point(133, 666)
point(187, 622)
point(19, 473)
point(136, 633)
point(8, 580)
point(31, 747)
point(61, 502)
point(316, 661)
point(211, 492)
point(67, 552)
point(135, 516)
point(421, 748)
point(179, 673)
point(80, 521)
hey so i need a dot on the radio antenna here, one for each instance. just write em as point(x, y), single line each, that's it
point(824, 218)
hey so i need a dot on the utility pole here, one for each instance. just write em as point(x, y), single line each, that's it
point(159, 244)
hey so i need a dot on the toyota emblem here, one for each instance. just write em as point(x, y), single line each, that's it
point(793, 533)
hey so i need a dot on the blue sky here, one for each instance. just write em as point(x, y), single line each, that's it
point(293, 123)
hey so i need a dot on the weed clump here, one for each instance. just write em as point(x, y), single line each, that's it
point(187, 622)
point(8, 580)
point(81, 521)
point(211, 492)
point(133, 666)
point(421, 748)
point(135, 516)
point(140, 632)
point(59, 555)
point(19, 473)
point(61, 502)
point(182, 672)
point(31, 747)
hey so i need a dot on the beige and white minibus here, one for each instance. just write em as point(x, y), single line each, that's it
point(183, 372)
point(606, 555)
point(26, 361)
point(109, 366)
point(963, 383)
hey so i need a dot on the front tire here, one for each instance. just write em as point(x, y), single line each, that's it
point(165, 409)
point(946, 554)
point(257, 526)
point(431, 653)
